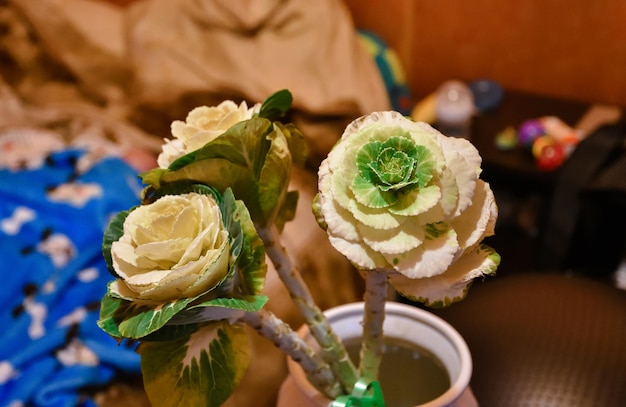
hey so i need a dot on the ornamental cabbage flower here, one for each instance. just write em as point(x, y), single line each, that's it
point(175, 247)
point(188, 248)
point(398, 195)
point(247, 150)
point(188, 264)
point(202, 125)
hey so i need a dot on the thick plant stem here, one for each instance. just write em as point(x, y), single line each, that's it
point(333, 350)
point(280, 334)
point(373, 318)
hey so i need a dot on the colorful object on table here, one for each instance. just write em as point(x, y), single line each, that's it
point(391, 71)
point(556, 144)
point(562, 132)
point(488, 94)
point(539, 144)
point(507, 139)
point(549, 153)
point(529, 131)
point(557, 127)
point(548, 138)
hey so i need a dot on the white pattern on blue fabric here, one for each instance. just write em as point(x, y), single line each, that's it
point(53, 277)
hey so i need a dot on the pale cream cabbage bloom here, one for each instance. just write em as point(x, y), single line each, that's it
point(202, 125)
point(176, 247)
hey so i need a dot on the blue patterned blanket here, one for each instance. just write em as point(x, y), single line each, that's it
point(52, 277)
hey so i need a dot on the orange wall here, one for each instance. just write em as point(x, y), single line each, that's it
point(565, 48)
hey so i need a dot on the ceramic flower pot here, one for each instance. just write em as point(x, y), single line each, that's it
point(405, 323)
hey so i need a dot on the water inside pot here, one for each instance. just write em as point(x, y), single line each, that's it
point(409, 374)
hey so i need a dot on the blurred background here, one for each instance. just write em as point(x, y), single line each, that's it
point(568, 49)
point(89, 89)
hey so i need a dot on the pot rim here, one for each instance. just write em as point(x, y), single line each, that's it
point(458, 385)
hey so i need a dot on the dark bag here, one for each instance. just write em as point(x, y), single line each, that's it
point(585, 228)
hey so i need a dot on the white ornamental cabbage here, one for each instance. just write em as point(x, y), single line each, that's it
point(397, 195)
point(202, 125)
point(176, 247)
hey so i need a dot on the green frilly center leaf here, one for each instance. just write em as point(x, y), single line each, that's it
point(393, 169)
point(387, 169)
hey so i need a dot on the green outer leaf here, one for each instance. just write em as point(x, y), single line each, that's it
point(297, 142)
point(152, 177)
point(123, 318)
point(182, 161)
point(287, 210)
point(316, 207)
point(221, 174)
point(251, 303)
point(170, 332)
point(251, 265)
point(234, 160)
point(244, 144)
point(276, 105)
point(248, 267)
point(113, 233)
point(180, 188)
point(230, 216)
point(229, 309)
point(149, 320)
point(274, 178)
point(202, 369)
point(108, 309)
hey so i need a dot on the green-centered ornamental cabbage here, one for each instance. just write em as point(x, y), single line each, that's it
point(398, 195)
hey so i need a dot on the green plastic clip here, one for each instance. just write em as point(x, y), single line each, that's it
point(365, 394)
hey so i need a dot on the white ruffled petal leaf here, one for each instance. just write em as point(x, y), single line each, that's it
point(444, 289)
point(478, 220)
point(432, 258)
point(391, 242)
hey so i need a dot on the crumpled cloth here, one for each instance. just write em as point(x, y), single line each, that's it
point(54, 205)
point(252, 48)
point(155, 60)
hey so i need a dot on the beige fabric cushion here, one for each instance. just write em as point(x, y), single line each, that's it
point(195, 52)
point(253, 48)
